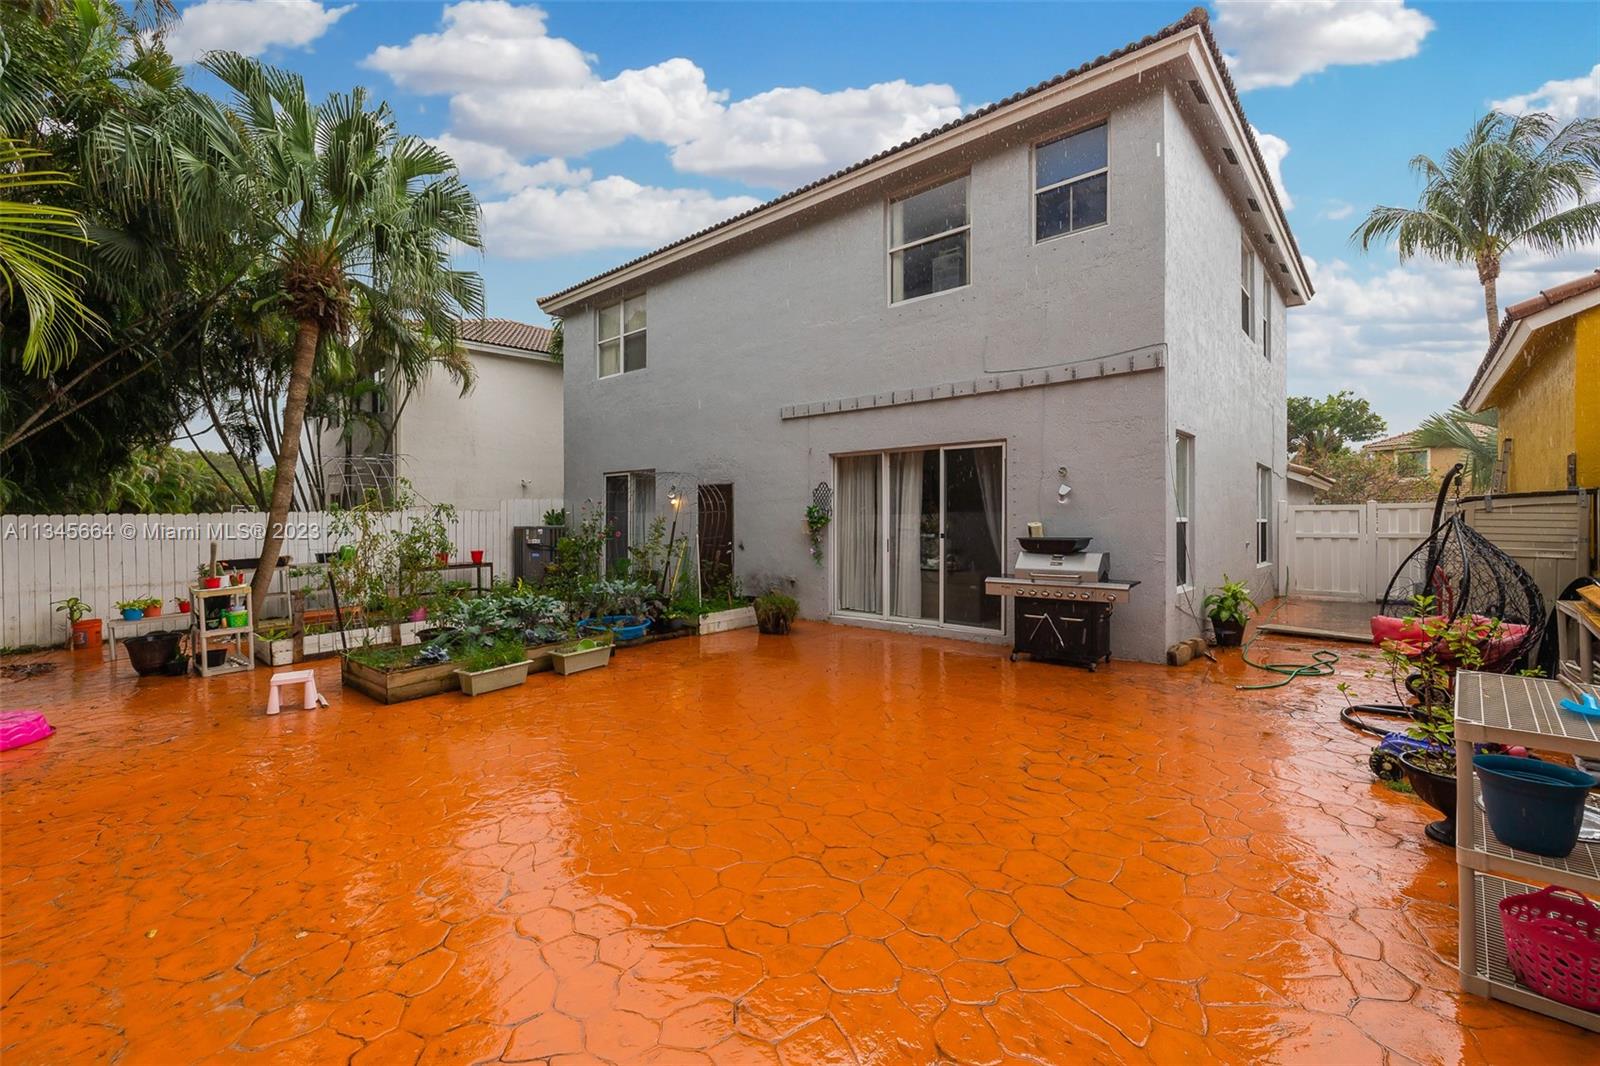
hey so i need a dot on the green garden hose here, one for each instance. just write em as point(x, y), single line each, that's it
point(1321, 664)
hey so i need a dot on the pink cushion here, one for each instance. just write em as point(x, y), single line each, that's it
point(22, 727)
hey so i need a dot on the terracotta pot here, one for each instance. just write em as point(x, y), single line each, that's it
point(443, 557)
point(153, 612)
point(86, 635)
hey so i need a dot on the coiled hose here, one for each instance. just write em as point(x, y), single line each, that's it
point(1321, 664)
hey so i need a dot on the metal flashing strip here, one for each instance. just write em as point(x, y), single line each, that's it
point(1135, 362)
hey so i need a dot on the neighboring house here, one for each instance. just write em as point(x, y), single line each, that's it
point(1542, 373)
point(499, 441)
point(1304, 484)
point(1415, 460)
point(1082, 285)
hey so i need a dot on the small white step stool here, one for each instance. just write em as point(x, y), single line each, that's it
point(307, 678)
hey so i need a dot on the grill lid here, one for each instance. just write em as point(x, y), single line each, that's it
point(1063, 569)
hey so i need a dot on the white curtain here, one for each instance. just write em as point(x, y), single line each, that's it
point(905, 546)
point(992, 487)
point(856, 530)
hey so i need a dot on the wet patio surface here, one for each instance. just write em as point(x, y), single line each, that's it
point(841, 846)
point(1345, 620)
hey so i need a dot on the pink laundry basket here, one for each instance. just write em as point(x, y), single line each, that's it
point(22, 727)
point(1553, 945)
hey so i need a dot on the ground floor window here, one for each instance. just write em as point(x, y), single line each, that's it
point(1263, 515)
point(918, 531)
point(1183, 493)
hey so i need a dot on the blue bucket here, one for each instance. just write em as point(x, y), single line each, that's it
point(1533, 806)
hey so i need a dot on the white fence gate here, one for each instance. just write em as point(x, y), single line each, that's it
point(109, 557)
point(1347, 551)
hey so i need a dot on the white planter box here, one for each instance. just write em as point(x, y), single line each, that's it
point(275, 652)
point(477, 682)
point(722, 621)
point(574, 662)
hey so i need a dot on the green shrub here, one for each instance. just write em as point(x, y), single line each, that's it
point(775, 610)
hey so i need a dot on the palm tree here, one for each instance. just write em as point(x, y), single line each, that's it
point(1511, 182)
point(1477, 436)
point(338, 209)
point(31, 262)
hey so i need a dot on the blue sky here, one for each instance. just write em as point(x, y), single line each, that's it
point(593, 132)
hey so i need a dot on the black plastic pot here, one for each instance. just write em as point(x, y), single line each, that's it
point(216, 657)
point(1437, 791)
point(1533, 806)
point(151, 652)
point(178, 667)
point(1229, 634)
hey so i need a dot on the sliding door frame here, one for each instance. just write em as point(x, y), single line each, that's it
point(885, 537)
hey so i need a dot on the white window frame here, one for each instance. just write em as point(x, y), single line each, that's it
point(1247, 287)
point(1427, 461)
point(1033, 178)
point(1263, 515)
point(1266, 322)
point(1183, 508)
point(623, 333)
point(888, 240)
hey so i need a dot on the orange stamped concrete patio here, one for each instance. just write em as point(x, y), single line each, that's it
point(843, 846)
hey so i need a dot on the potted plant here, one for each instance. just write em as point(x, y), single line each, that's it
point(775, 611)
point(442, 557)
point(132, 610)
point(184, 606)
point(152, 606)
point(208, 580)
point(82, 631)
point(1226, 608)
point(586, 654)
point(500, 665)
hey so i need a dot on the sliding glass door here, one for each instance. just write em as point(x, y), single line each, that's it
point(919, 531)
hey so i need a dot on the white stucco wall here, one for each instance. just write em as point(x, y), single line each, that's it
point(502, 441)
point(1220, 387)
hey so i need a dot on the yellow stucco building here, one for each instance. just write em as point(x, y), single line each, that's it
point(1543, 374)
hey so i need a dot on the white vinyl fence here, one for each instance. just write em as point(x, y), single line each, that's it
point(1347, 551)
point(109, 557)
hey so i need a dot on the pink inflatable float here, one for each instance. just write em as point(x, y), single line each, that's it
point(22, 727)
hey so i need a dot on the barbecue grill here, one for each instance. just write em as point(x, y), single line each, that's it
point(1063, 599)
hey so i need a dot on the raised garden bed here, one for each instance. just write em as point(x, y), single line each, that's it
point(280, 651)
point(415, 682)
point(722, 621)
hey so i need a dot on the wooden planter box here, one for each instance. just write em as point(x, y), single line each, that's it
point(722, 621)
point(478, 682)
point(396, 686)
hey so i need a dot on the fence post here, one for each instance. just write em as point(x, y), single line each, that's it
point(1369, 525)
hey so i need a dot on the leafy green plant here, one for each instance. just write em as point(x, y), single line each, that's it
point(391, 565)
point(470, 625)
point(500, 652)
point(1425, 665)
point(620, 596)
point(556, 516)
point(817, 519)
point(76, 610)
point(578, 556)
point(775, 611)
point(130, 605)
point(1228, 603)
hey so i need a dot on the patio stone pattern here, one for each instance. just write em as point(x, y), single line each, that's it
point(840, 846)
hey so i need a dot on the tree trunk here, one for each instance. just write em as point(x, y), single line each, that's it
point(1488, 274)
point(294, 416)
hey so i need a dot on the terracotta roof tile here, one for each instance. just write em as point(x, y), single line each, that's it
point(1196, 17)
point(506, 333)
point(1518, 311)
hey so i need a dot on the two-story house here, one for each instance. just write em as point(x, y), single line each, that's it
point(1081, 287)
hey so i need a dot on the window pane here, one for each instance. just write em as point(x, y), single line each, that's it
point(1180, 477)
point(1069, 157)
point(1053, 213)
point(931, 267)
point(1181, 548)
point(633, 314)
point(1088, 201)
point(1246, 265)
point(633, 351)
point(610, 358)
point(936, 210)
point(1244, 311)
point(610, 321)
point(859, 545)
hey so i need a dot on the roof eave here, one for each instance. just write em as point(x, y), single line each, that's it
point(1510, 341)
point(1190, 43)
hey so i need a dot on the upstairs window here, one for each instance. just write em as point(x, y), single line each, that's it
point(928, 237)
point(1266, 322)
point(620, 337)
point(1247, 288)
point(1412, 463)
point(1069, 183)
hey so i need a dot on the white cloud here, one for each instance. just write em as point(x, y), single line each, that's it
point(514, 86)
point(1273, 149)
point(1281, 41)
point(500, 169)
point(1564, 100)
point(1337, 210)
point(249, 26)
point(1407, 337)
point(613, 212)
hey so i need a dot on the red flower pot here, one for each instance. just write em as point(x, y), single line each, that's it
point(183, 606)
point(443, 557)
point(477, 555)
point(211, 582)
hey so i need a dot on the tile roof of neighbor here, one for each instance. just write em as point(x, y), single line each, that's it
point(1196, 17)
point(1400, 440)
point(1518, 311)
point(506, 333)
